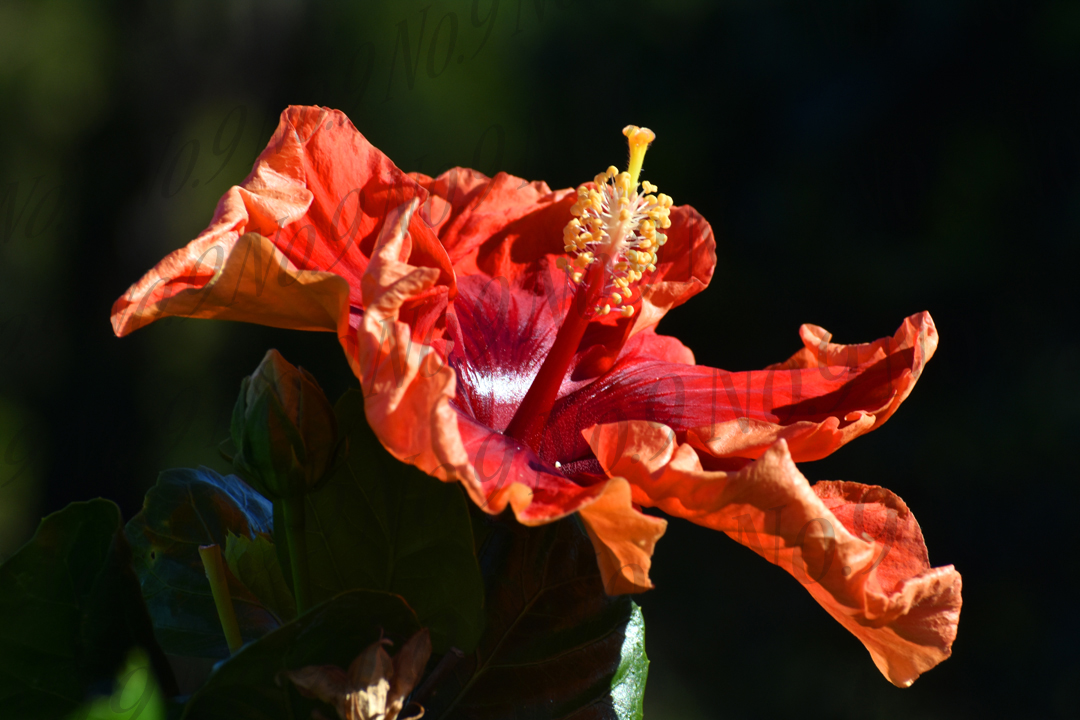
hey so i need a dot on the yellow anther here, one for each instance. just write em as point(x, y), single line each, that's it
point(560, 262)
point(639, 139)
point(616, 225)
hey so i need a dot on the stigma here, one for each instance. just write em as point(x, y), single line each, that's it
point(616, 222)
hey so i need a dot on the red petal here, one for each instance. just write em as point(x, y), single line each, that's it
point(820, 399)
point(501, 336)
point(856, 548)
point(684, 266)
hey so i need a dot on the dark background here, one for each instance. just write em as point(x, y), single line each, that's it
point(859, 162)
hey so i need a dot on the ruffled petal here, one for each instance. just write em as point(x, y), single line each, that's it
point(856, 548)
point(319, 193)
point(823, 397)
point(243, 278)
point(406, 384)
point(354, 187)
point(473, 215)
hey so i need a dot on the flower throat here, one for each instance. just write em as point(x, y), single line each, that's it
point(612, 241)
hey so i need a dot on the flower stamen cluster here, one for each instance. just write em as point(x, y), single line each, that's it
point(616, 224)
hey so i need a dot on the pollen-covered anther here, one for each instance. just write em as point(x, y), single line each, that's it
point(617, 222)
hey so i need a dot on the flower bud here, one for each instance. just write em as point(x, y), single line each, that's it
point(284, 430)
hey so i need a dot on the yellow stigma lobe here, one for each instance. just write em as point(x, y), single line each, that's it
point(639, 139)
point(616, 224)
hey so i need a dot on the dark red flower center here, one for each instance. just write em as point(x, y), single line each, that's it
point(612, 239)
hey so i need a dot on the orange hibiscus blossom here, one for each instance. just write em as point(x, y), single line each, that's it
point(504, 336)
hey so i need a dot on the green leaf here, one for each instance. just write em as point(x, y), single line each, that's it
point(332, 633)
point(70, 609)
point(136, 697)
point(254, 561)
point(628, 684)
point(380, 524)
point(556, 646)
point(186, 509)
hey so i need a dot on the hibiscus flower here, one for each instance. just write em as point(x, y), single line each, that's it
point(504, 337)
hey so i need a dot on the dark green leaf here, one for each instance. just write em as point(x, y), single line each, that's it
point(380, 524)
point(333, 633)
point(186, 509)
point(254, 561)
point(70, 610)
point(556, 646)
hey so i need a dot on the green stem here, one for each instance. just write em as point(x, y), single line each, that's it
point(296, 538)
point(219, 587)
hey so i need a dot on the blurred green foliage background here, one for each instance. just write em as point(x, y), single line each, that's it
point(859, 162)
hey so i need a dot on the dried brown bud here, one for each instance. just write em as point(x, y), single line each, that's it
point(375, 686)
